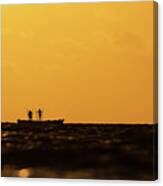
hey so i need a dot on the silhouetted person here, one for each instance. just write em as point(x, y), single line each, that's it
point(39, 112)
point(30, 115)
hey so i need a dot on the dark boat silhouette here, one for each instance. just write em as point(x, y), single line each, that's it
point(59, 121)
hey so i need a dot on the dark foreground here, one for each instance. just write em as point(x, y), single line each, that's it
point(80, 151)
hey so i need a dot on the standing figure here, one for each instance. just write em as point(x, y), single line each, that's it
point(30, 115)
point(39, 112)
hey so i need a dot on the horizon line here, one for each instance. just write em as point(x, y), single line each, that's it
point(98, 123)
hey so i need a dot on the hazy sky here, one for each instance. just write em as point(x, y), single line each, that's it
point(83, 62)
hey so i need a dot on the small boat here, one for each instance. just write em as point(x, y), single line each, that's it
point(59, 121)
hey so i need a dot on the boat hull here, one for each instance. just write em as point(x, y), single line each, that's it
point(59, 121)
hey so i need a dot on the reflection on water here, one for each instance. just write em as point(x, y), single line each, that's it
point(12, 171)
point(24, 173)
point(47, 173)
point(79, 151)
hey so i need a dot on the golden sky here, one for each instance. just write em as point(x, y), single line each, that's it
point(85, 62)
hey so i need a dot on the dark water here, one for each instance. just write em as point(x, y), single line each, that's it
point(80, 151)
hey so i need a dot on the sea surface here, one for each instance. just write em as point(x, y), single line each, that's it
point(84, 151)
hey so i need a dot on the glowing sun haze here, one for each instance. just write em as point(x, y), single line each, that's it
point(85, 62)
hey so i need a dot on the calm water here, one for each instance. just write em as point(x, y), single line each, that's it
point(80, 151)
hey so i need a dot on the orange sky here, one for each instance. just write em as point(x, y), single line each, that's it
point(89, 62)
